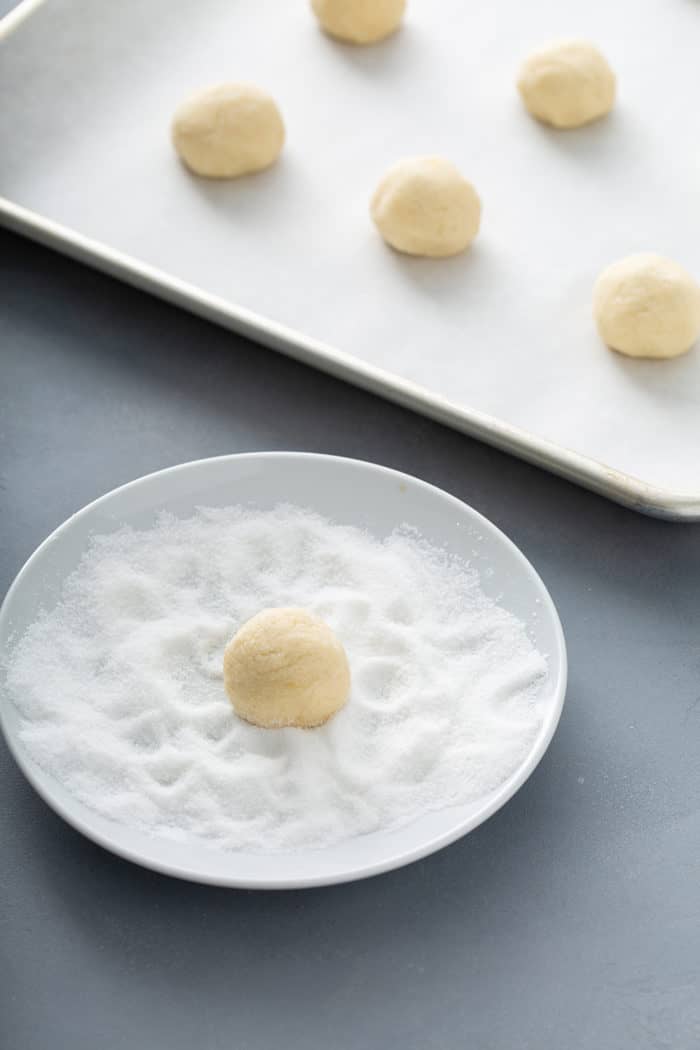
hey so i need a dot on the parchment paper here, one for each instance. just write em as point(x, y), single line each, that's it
point(87, 90)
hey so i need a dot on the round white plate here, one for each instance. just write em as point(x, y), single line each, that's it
point(349, 492)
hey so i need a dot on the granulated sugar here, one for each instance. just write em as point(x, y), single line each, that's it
point(120, 688)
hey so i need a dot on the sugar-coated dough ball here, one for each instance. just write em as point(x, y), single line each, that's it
point(647, 306)
point(567, 84)
point(286, 667)
point(359, 21)
point(228, 130)
point(424, 206)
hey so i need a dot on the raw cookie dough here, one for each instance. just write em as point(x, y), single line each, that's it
point(424, 206)
point(647, 306)
point(359, 21)
point(567, 84)
point(286, 667)
point(228, 130)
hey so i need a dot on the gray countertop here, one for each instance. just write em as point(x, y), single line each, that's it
point(569, 921)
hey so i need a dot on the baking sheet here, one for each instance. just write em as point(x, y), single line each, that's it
point(499, 341)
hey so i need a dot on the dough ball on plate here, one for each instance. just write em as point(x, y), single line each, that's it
point(567, 84)
point(647, 306)
point(359, 21)
point(285, 667)
point(228, 130)
point(424, 206)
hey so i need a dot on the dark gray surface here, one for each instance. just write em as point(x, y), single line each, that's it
point(569, 921)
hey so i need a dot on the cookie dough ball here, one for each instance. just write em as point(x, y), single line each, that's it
point(567, 84)
point(228, 130)
point(359, 21)
point(285, 667)
point(424, 206)
point(647, 306)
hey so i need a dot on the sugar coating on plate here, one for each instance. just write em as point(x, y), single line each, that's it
point(228, 130)
point(425, 206)
point(567, 84)
point(121, 696)
point(285, 667)
point(359, 21)
point(647, 306)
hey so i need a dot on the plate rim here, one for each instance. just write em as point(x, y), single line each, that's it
point(432, 844)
